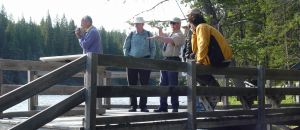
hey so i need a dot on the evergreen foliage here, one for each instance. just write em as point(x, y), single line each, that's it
point(261, 32)
point(29, 41)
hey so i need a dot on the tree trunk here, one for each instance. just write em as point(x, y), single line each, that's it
point(210, 10)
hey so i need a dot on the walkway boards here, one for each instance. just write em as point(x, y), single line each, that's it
point(123, 120)
point(177, 121)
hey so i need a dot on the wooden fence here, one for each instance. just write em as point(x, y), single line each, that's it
point(93, 90)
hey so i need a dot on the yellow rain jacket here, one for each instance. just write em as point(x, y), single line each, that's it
point(209, 46)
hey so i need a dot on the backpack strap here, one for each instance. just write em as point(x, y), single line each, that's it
point(149, 39)
point(130, 36)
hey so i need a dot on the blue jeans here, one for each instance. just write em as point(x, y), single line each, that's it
point(169, 78)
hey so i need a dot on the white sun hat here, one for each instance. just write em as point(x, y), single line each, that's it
point(139, 20)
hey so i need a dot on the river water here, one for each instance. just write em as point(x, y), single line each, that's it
point(48, 100)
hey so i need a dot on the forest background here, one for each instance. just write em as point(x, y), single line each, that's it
point(261, 32)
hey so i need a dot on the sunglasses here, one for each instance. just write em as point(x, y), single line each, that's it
point(173, 23)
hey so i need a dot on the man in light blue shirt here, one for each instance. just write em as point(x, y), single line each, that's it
point(89, 37)
point(137, 45)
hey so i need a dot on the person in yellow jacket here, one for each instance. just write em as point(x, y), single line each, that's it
point(210, 48)
point(209, 45)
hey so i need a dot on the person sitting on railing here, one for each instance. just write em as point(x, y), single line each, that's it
point(189, 55)
point(210, 48)
point(137, 45)
point(172, 44)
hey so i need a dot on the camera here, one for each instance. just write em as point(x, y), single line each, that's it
point(77, 29)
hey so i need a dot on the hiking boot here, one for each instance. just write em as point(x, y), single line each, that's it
point(160, 110)
point(132, 110)
point(175, 110)
point(144, 110)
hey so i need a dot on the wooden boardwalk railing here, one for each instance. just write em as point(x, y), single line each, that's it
point(259, 116)
point(32, 88)
point(260, 74)
point(40, 84)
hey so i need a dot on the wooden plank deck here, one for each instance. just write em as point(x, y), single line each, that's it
point(112, 117)
point(120, 119)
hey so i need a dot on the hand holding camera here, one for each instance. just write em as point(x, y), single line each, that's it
point(78, 32)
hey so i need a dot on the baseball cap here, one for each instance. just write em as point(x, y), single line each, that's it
point(175, 20)
point(194, 11)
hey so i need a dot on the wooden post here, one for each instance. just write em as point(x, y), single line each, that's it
point(261, 122)
point(191, 96)
point(297, 96)
point(107, 81)
point(225, 100)
point(273, 102)
point(1, 82)
point(33, 101)
point(99, 83)
point(268, 99)
point(90, 83)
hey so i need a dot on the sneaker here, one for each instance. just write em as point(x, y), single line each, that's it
point(213, 105)
point(160, 110)
point(132, 110)
point(200, 107)
point(213, 101)
point(144, 110)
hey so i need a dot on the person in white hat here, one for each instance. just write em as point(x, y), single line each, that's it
point(171, 51)
point(137, 45)
point(139, 20)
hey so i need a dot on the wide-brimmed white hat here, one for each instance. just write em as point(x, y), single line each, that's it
point(139, 20)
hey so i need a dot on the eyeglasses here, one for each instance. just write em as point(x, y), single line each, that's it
point(172, 23)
